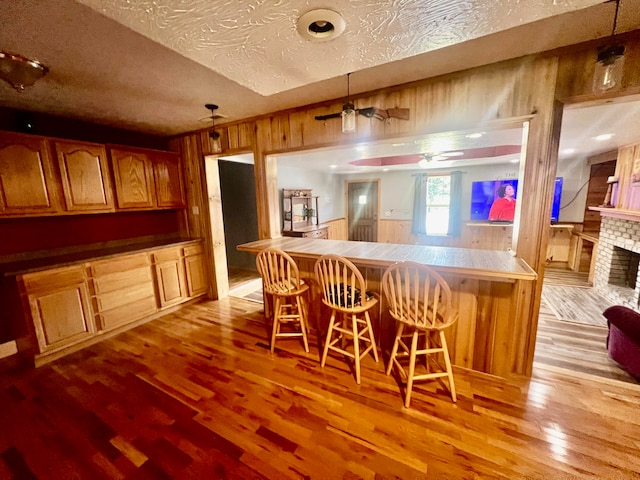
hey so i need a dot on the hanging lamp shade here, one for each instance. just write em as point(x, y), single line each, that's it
point(348, 113)
point(610, 62)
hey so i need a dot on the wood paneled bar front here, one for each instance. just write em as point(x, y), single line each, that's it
point(488, 287)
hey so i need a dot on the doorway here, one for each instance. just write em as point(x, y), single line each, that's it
point(362, 210)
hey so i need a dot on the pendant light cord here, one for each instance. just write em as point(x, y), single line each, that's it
point(615, 18)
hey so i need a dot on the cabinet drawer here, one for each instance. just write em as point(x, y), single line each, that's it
point(118, 298)
point(320, 233)
point(127, 313)
point(122, 280)
point(120, 264)
point(166, 255)
point(192, 250)
point(51, 279)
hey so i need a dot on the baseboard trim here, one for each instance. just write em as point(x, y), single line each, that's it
point(8, 349)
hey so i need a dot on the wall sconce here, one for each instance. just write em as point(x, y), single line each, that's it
point(348, 113)
point(608, 70)
point(19, 71)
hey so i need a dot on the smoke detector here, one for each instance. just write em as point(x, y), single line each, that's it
point(321, 25)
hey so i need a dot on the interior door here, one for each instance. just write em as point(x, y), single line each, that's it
point(362, 199)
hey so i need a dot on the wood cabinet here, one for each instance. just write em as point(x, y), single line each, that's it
point(28, 180)
point(195, 273)
point(147, 179)
point(170, 280)
point(68, 308)
point(167, 174)
point(58, 308)
point(122, 290)
point(84, 170)
point(133, 177)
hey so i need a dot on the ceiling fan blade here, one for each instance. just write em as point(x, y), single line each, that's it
point(328, 116)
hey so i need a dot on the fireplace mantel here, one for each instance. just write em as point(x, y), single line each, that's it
point(632, 215)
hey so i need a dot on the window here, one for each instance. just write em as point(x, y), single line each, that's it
point(438, 204)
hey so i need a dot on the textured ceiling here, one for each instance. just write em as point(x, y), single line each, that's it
point(151, 66)
point(256, 42)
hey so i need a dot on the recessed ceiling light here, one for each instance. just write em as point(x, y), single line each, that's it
point(475, 135)
point(361, 148)
point(568, 151)
point(321, 25)
point(385, 169)
point(452, 154)
point(514, 160)
point(333, 166)
point(603, 137)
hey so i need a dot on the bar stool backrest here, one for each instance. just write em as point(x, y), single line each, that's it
point(343, 286)
point(279, 272)
point(418, 296)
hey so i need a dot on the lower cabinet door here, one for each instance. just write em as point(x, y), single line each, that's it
point(61, 316)
point(170, 282)
point(196, 276)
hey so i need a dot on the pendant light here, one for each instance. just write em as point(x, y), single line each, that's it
point(348, 113)
point(608, 71)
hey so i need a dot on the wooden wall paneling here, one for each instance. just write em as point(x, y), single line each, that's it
point(337, 229)
point(504, 324)
point(577, 64)
point(297, 128)
point(464, 331)
point(483, 327)
point(524, 300)
point(624, 170)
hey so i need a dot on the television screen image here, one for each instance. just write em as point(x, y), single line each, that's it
point(485, 193)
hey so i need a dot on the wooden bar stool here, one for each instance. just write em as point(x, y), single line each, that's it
point(281, 279)
point(344, 292)
point(420, 301)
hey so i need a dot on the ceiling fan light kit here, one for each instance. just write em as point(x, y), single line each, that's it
point(19, 71)
point(610, 63)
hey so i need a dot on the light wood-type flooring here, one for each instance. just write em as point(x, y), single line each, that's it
point(196, 394)
point(564, 343)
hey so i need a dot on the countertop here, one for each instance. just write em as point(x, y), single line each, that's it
point(31, 262)
point(494, 264)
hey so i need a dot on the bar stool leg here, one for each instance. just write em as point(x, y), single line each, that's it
point(303, 321)
point(412, 367)
point(356, 346)
point(328, 339)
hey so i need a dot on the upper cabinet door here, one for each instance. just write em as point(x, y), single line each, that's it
point(85, 176)
point(167, 173)
point(133, 175)
point(28, 182)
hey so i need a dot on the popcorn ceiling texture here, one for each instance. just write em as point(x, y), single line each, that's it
point(255, 42)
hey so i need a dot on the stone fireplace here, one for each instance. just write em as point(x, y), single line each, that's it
point(617, 261)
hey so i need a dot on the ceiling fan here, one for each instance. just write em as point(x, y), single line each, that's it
point(349, 112)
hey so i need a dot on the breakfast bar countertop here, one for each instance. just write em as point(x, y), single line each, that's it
point(493, 264)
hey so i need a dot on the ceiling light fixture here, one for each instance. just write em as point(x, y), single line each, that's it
point(348, 113)
point(19, 71)
point(452, 154)
point(608, 69)
point(604, 137)
point(475, 135)
point(213, 134)
point(321, 25)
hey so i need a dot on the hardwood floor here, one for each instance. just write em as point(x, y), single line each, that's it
point(196, 394)
point(563, 343)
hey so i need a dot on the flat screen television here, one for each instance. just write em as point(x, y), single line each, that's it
point(483, 194)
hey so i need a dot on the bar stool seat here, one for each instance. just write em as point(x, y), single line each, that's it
point(344, 292)
point(281, 279)
point(420, 301)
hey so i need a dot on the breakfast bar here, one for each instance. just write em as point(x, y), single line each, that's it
point(488, 285)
